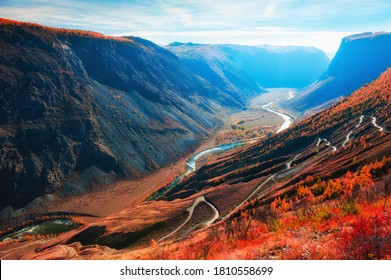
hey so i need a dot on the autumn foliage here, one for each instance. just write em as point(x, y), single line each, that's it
point(342, 218)
point(345, 186)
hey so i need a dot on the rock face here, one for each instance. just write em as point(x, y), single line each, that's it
point(79, 109)
point(234, 68)
point(360, 59)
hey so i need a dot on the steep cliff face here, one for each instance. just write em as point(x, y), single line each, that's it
point(242, 69)
point(79, 109)
point(360, 59)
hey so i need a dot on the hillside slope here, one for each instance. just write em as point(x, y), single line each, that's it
point(79, 109)
point(333, 124)
point(359, 60)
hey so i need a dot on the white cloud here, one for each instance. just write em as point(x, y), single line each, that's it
point(269, 10)
point(295, 22)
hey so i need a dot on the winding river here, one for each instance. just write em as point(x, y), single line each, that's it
point(191, 164)
point(287, 119)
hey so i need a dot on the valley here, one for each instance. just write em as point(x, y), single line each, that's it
point(121, 195)
point(256, 121)
point(118, 148)
point(191, 164)
point(273, 180)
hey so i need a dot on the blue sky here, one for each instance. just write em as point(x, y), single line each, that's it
point(277, 22)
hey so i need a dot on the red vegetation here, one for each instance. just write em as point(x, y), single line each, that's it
point(369, 237)
point(345, 186)
point(349, 222)
point(333, 205)
point(269, 156)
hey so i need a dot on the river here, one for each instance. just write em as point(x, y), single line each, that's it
point(287, 119)
point(191, 164)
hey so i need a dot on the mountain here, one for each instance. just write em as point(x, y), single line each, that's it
point(233, 68)
point(79, 109)
point(359, 60)
point(323, 181)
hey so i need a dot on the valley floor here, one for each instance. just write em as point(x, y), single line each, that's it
point(255, 121)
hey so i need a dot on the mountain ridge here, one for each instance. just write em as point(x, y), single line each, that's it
point(80, 109)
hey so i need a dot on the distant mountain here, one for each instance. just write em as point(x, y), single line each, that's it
point(242, 68)
point(79, 109)
point(360, 59)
